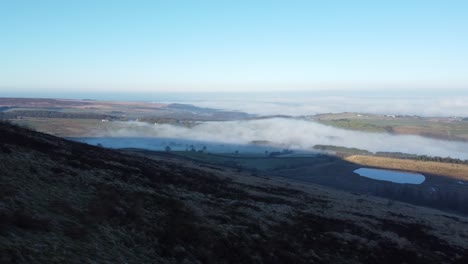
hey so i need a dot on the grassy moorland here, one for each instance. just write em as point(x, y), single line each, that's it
point(66, 202)
point(248, 161)
point(456, 171)
point(437, 191)
point(75, 118)
point(450, 128)
point(64, 127)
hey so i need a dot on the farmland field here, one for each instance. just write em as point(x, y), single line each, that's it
point(457, 171)
point(452, 128)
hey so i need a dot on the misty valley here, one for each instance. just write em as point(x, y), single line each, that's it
point(234, 132)
point(365, 155)
point(368, 156)
point(316, 167)
point(173, 144)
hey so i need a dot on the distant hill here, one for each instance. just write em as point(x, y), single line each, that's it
point(54, 114)
point(444, 128)
point(192, 112)
point(67, 202)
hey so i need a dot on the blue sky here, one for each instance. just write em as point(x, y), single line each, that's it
point(146, 46)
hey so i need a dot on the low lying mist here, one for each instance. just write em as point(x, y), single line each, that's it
point(294, 134)
point(294, 105)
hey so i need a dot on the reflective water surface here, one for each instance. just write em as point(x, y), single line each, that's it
point(390, 175)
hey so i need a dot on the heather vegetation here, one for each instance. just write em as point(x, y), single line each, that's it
point(68, 202)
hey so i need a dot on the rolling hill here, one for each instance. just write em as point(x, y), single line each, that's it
point(67, 202)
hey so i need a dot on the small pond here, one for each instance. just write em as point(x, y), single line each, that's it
point(391, 175)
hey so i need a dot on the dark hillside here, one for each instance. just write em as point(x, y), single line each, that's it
point(67, 202)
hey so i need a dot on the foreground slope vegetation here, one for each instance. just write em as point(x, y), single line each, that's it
point(66, 202)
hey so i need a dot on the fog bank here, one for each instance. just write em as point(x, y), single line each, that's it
point(296, 134)
point(310, 105)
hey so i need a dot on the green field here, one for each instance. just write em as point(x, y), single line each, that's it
point(443, 128)
point(249, 161)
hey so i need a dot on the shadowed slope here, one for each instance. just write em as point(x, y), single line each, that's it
point(66, 202)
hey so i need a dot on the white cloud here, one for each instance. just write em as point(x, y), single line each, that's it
point(291, 133)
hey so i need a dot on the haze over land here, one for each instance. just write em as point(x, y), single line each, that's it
point(294, 103)
point(431, 136)
point(208, 131)
point(296, 134)
point(297, 104)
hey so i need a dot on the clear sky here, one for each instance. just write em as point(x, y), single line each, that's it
point(249, 45)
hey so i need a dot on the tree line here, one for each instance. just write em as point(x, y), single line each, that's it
point(401, 155)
